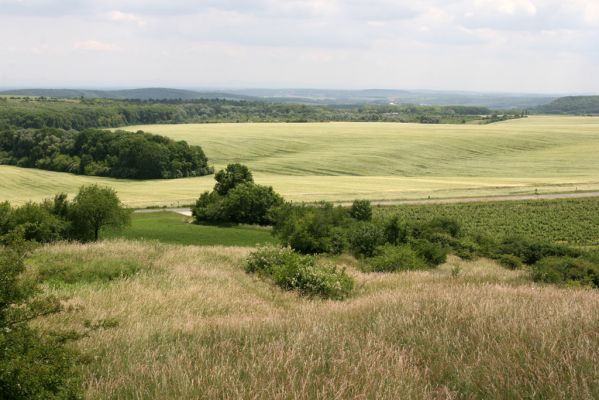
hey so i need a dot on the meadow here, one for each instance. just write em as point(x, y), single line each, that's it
point(378, 161)
point(168, 227)
point(187, 322)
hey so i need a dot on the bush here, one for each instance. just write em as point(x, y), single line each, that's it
point(33, 365)
point(310, 229)
point(292, 271)
point(566, 270)
point(397, 231)
point(249, 203)
point(37, 223)
point(228, 178)
point(361, 210)
point(389, 258)
point(510, 261)
point(433, 254)
point(532, 251)
point(208, 208)
point(364, 238)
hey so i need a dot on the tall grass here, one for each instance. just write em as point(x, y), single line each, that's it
point(203, 328)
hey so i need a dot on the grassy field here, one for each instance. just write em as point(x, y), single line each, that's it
point(571, 221)
point(168, 227)
point(191, 324)
point(378, 161)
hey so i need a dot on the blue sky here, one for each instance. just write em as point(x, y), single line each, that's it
point(479, 45)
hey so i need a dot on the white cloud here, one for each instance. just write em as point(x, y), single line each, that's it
point(95, 45)
point(119, 16)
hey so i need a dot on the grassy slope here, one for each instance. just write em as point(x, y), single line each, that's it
point(169, 227)
point(193, 325)
point(343, 161)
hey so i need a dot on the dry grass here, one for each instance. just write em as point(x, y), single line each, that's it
point(194, 325)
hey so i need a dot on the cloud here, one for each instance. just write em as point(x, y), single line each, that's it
point(119, 16)
point(95, 45)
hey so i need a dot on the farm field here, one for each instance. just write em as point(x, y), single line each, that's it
point(187, 322)
point(569, 221)
point(377, 161)
point(168, 227)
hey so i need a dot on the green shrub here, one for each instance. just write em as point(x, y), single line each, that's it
point(566, 270)
point(310, 229)
point(36, 222)
point(33, 364)
point(397, 231)
point(433, 254)
point(532, 251)
point(361, 210)
point(510, 261)
point(248, 203)
point(364, 238)
point(292, 271)
point(390, 258)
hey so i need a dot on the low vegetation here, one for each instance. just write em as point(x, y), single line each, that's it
point(204, 328)
point(96, 152)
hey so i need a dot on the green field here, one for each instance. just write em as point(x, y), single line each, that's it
point(378, 161)
point(569, 221)
point(168, 227)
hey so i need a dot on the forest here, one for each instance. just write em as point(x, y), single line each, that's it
point(79, 114)
point(120, 154)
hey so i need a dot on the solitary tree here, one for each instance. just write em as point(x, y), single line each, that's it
point(233, 175)
point(94, 208)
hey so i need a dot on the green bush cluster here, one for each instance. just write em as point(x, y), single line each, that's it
point(33, 364)
point(304, 274)
point(236, 199)
point(92, 209)
point(120, 154)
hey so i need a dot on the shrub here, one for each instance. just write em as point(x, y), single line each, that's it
point(397, 231)
point(532, 251)
point(36, 222)
point(208, 208)
point(566, 270)
point(230, 177)
point(361, 210)
point(433, 254)
point(249, 203)
point(292, 271)
point(310, 229)
point(364, 238)
point(510, 261)
point(33, 365)
point(389, 258)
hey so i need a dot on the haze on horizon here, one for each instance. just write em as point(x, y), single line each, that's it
point(535, 46)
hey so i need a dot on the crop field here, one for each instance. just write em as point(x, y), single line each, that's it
point(377, 161)
point(569, 221)
point(168, 227)
point(187, 322)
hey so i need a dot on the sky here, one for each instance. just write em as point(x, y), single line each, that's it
point(533, 46)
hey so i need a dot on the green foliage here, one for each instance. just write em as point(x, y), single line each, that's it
point(248, 203)
point(572, 105)
point(292, 271)
point(566, 270)
point(531, 251)
point(390, 258)
point(364, 238)
point(33, 365)
point(510, 261)
point(230, 177)
point(361, 210)
point(208, 208)
point(311, 229)
point(37, 222)
point(95, 208)
point(433, 254)
point(397, 231)
point(117, 154)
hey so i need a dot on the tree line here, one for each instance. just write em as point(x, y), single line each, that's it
point(120, 154)
point(96, 113)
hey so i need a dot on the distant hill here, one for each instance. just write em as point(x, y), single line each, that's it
point(578, 105)
point(127, 94)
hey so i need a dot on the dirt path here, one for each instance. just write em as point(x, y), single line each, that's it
point(550, 196)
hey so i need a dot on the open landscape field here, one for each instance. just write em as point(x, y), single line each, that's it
point(189, 323)
point(377, 161)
